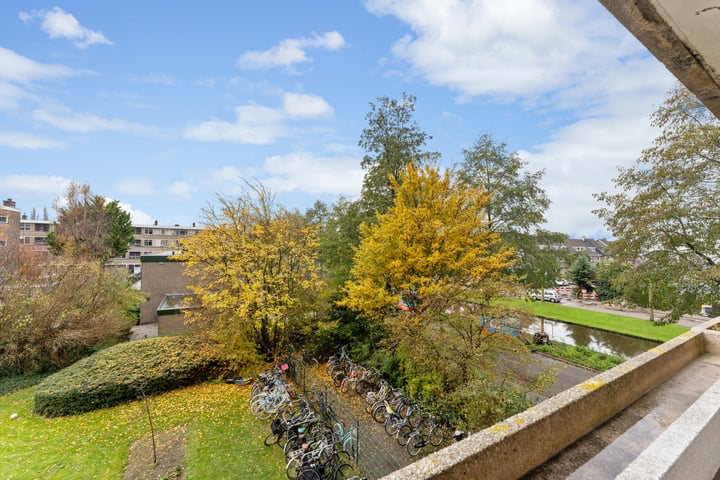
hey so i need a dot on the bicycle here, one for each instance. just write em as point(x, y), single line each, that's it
point(347, 439)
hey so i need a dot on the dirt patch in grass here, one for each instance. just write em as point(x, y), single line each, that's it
point(170, 449)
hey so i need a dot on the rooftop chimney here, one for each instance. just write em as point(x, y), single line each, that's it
point(9, 203)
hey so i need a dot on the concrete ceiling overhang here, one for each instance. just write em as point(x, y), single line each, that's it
point(684, 35)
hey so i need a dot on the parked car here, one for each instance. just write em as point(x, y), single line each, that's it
point(548, 295)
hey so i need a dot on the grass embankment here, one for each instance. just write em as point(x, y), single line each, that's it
point(224, 440)
point(632, 326)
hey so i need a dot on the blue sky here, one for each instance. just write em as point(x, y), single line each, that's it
point(163, 105)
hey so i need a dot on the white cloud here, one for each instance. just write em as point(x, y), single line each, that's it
point(520, 48)
point(179, 190)
point(86, 122)
point(306, 172)
point(260, 125)
point(137, 217)
point(34, 185)
point(58, 23)
point(28, 141)
point(19, 69)
point(290, 51)
point(582, 159)
point(306, 106)
point(253, 124)
point(134, 186)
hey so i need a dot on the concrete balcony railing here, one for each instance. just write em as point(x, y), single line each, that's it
point(514, 447)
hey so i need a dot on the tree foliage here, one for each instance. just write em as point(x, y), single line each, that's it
point(89, 226)
point(391, 140)
point(253, 270)
point(516, 209)
point(56, 311)
point(582, 273)
point(431, 268)
point(666, 213)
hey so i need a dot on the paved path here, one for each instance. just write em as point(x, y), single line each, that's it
point(687, 320)
point(379, 454)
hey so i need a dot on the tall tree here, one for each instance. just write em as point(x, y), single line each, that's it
point(391, 140)
point(89, 226)
point(253, 270)
point(430, 268)
point(666, 212)
point(517, 207)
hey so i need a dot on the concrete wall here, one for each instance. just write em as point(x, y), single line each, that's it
point(512, 448)
point(172, 324)
point(158, 279)
point(688, 449)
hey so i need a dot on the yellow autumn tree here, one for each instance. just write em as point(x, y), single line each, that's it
point(252, 270)
point(429, 251)
point(431, 269)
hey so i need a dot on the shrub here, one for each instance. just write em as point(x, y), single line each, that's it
point(55, 311)
point(125, 372)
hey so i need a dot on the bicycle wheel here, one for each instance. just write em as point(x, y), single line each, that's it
point(293, 467)
point(344, 471)
point(379, 413)
point(415, 445)
point(436, 436)
point(272, 439)
point(403, 435)
point(392, 425)
point(309, 474)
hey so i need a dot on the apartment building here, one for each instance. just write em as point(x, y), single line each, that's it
point(9, 223)
point(17, 229)
point(154, 240)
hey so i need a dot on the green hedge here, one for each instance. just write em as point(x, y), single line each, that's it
point(124, 372)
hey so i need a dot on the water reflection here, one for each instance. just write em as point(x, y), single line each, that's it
point(598, 340)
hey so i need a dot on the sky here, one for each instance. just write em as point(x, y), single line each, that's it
point(165, 105)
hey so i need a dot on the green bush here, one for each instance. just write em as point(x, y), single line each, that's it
point(125, 372)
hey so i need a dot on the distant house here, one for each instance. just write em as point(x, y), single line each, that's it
point(594, 249)
point(165, 287)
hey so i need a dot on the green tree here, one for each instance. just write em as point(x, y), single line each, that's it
point(89, 226)
point(581, 272)
point(607, 280)
point(516, 209)
point(253, 271)
point(391, 140)
point(665, 217)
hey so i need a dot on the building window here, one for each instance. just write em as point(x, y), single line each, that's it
point(137, 242)
point(25, 240)
point(42, 227)
point(138, 230)
point(134, 254)
point(148, 231)
point(181, 233)
point(147, 243)
point(167, 232)
point(3, 243)
point(3, 219)
point(25, 227)
point(40, 241)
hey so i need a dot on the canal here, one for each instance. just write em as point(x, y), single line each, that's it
point(598, 340)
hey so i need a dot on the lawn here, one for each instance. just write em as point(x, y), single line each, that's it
point(635, 327)
point(224, 440)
